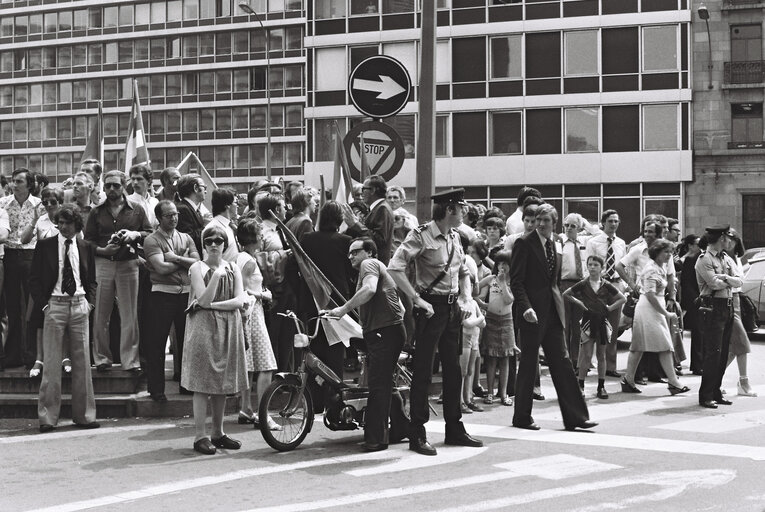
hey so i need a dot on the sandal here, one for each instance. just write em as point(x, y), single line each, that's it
point(674, 390)
point(506, 400)
point(489, 399)
point(36, 370)
point(66, 364)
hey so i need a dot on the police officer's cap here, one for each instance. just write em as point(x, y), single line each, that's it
point(719, 230)
point(451, 196)
point(269, 186)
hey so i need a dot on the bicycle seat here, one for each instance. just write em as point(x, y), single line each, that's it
point(403, 357)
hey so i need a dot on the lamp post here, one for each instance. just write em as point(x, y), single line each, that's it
point(249, 10)
point(704, 15)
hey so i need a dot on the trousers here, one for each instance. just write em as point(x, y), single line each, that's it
point(717, 327)
point(383, 346)
point(116, 279)
point(165, 310)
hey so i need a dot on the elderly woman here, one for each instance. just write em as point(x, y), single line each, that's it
point(651, 325)
point(44, 227)
point(213, 351)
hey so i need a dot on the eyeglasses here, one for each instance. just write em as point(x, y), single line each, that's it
point(354, 252)
point(214, 241)
point(174, 214)
point(397, 218)
point(112, 185)
point(50, 202)
point(570, 226)
point(366, 188)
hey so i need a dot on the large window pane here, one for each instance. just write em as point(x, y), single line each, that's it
point(581, 52)
point(660, 127)
point(506, 133)
point(206, 44)
point(49, 94)
point(36, 22)
point(621, 128)
point(157, 85)
point(79, 53)
point(330, 69)
point(111, 15)
point(157, 49)
point(746, 122)
point(126, 51)
point(406, 54)
point(141, 49)
point(158, 12)
point(111, 53)
point(207, 82)
point(543, 129)
point(206, 9)
point(468, 59)
point(64, 56)
point(223, 44)
point(469, 134)
point(223, 119)
point(174, 85)
point(173, 122)
point(126, 15)
point(581, 130)
point(190, 9)
point(506, 57)
point(79, 90)
point(241, 80)
point(442, 135)
point(64, 21)
point(142, 14)
point(241, 42)
point(223, 81)
point(190, 46)
point(329, 8)
point(660, 48)
point(394, 6)
point(174, 11)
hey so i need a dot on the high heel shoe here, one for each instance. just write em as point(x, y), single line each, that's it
point(743, 387)
point(36, 370)
point(674, 390)
point(629, 388)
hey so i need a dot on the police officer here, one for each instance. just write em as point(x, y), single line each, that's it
point(714, 275)
point(441, 278)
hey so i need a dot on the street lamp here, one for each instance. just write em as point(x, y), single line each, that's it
point(704, 15)
point(249, 10)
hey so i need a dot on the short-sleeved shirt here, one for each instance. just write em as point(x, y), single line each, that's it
point(160, 243)
point(637, 258)
point(45, 227)
point(710, 263)
point(384, 308)
point(4, 225)
point(429, 248)
point(19, 217)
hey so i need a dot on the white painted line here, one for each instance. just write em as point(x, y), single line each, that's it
point(412, 460)
point(396, 492)
point(158, 490)
point(600, 411)
point(672, 483)
point(83, 433)
point(557, 467)
point(718, 424)
point(612, 441)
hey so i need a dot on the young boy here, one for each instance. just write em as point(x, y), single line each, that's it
point(597, 297)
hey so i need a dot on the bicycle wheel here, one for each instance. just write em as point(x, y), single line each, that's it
point(292, 411)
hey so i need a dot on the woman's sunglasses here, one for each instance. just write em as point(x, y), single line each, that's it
point(214, 241)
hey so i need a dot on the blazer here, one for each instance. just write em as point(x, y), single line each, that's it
point(190, 222)
point(379, 227)
point(530, 281)
point(44, 274)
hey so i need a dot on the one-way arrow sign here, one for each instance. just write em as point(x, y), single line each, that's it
point(379, 86)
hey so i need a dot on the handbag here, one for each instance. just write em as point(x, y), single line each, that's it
point(629, 307)
point(749, 315)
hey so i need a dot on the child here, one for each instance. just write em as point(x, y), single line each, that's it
point(593, 295)
point(498, 342)
point(471, 330)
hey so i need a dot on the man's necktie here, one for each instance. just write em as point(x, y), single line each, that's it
point(550, 257)
point(68, 285)
point(578, 260)
point(610, 260)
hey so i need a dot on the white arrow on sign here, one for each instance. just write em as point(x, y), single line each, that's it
point(386, 87)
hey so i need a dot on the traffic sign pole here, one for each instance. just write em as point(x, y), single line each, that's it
point(426, 136)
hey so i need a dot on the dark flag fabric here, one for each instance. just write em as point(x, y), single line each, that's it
point(95, 145)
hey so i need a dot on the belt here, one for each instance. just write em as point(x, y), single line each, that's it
point(726, 301)
point(440, 298)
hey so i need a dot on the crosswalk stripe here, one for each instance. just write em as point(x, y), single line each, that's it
point(729, 422)
point(83, 433)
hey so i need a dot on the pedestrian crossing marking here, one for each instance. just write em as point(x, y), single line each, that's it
point(412, 460)
point(719, 424)
point(68, 434)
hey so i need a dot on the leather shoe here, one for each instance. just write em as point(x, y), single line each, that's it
point(159, 397)
point(538, 396)
point(226, 443)
point(723, 401)
point(373, 447)
point(584, 425)
point(204, 446)
point(709, 404)
point(103, 367)
point(422, 446)
point(528, 426)
point(184, 391)
point(91, 425)
point(45, 428)
point(613, 373)
point(463, 439)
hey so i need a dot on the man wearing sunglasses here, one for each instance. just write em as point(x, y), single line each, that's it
point(115, 228)
point(379, 223)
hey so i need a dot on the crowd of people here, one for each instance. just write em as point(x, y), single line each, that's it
point(103, 270)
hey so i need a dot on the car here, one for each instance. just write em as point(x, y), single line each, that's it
point(752, 254)
point(754, 285)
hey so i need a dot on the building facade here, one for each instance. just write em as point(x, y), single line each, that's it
point(587, 100)
point(729, 153)
point(201, 67)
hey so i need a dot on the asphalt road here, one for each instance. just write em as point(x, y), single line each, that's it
point(651, 452)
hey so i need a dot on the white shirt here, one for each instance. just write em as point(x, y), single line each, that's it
point(74, 259)
point(598, 246)
point(510, 240)
point(568, 261)
point(514, 223)
point(148, 203)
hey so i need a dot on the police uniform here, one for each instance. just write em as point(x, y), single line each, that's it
point(430, 249)
point(716, 309)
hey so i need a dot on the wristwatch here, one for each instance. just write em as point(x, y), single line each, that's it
point(415, 296)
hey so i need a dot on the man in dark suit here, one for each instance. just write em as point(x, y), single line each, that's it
point(191, 191)
point(379, 223)
point(534, 276)
point(63, 285)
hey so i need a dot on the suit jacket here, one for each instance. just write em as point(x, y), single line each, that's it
point(190, 222)
point(379, 227)
point(44, 273)
point(531, 283)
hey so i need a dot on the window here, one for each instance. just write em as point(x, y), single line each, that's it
point(746, 122)
point(207, 120)
point(444, 60)
point(619, 47)
point(35, 58)
point(190, 46)
point(141, 49)
point(241, 80)
point(126, 15)
point(277, 117)
point(745, 43)
point(126, 51)
point(506, 57)
point(95, 19)
point(79, 90)
point(157, 123)
point(36, 22)
point(158, 12)
point(469, 134)
point(223, 81)
point(330, 69)
point(276, 40)
point(64, 21)
point(79, 53)
point(581, 57)
point(469, 59)
point(110, 17)
point(223, 120)
point(157, 49)
point(404, 126)
point(324, 137)
point(64, 56)
point(660, 127)
point(190, 9)
point(173, 85)
point(206, 9)
point(361, 7)
point(621, 128)
point(111, 53)
point(329, 9)
point(394, 6)
point(660, 48)
point(293, 77)
point(157, 85)
point(506, 133)
point(207, 82)
point(543, 129)
point(442, 135)
point(360, 53)
point(174, 11)
point(293, 38)
point(241, 42)
point(294, 115)
point(173, 122)
point(20, 28)
point(206, 44)
point(223, 44)
point(582, 130)
point(173, 47)
point(241, 117)
point(543, 55)
point(142, 14)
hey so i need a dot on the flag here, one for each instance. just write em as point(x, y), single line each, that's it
point(342, 186)
point(364, 163)
point(183, 168)
point(324, 293)
point(95, 146)
point(135, 147)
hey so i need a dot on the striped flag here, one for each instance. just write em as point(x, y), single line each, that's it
point(135, 147)
point(342, 185)
point(95, 146)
